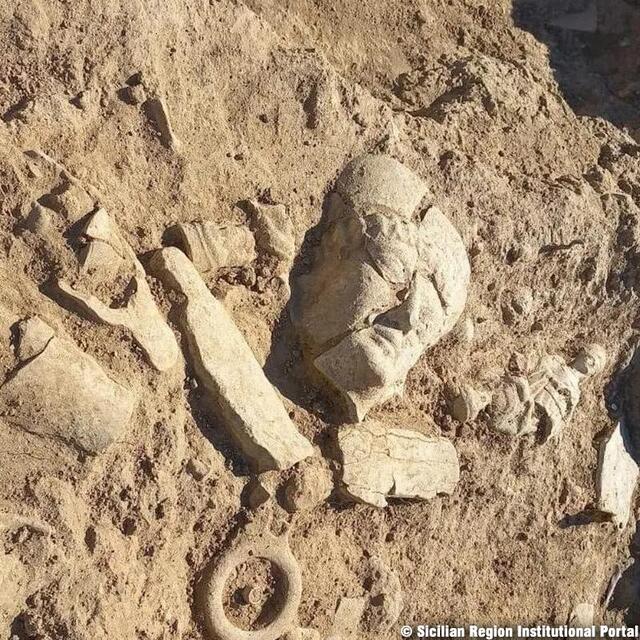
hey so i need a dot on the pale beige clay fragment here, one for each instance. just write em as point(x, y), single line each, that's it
point(140, 315)
point(617, 476)
point(60, 392)
point(346, 621)
point(228, 370)
point(381, 463)
point(582, 615)
point(158, 112)
point(104, 251)
point(211, 246)
point(274, 234)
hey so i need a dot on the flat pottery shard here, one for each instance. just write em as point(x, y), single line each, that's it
point(104, 251)
point(141, 315)
point(63, 393)
point(211, 246)
point(34, 336)
point(158, 113)
point(617, 476)
point(229, 372)
point(397, 463)
point(101, 227)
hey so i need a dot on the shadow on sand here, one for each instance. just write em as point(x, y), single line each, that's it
point(594, 51)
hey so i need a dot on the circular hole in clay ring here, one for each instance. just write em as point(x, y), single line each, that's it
point(285, 565)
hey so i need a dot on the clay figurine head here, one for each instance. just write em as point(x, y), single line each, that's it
point(389, 280)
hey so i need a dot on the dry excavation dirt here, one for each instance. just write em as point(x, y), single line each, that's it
point(176, 457)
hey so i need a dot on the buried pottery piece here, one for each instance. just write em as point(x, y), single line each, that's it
point(389, 280)
point(140, 315)
point(211, 246)
point(617, 476)
point(60, 392)
point(381, 462)
point(228, 370)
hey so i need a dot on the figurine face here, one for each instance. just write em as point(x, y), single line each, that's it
point(389, 280)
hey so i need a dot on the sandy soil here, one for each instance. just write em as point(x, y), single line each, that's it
point(270, 99)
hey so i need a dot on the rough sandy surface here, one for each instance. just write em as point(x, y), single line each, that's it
point(269, 99)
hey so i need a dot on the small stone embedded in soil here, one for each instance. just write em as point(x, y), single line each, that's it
point(385, 598)
point(251, 595)
point(617, 476)
point(197, 468)
point(135, 94)
point(70, 200)
point(346, 621)
point(261, 489)
point(309, 484)
point(466, 406)
point(381, 463)
point(39, 219)
point(517, 306)
point(228, 370)
point(274, 232)
point(158, 114)
point(257, 494)
point(34, 336)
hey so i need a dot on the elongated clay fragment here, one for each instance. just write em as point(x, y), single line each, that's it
point(229, 371)
point(617, 476)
